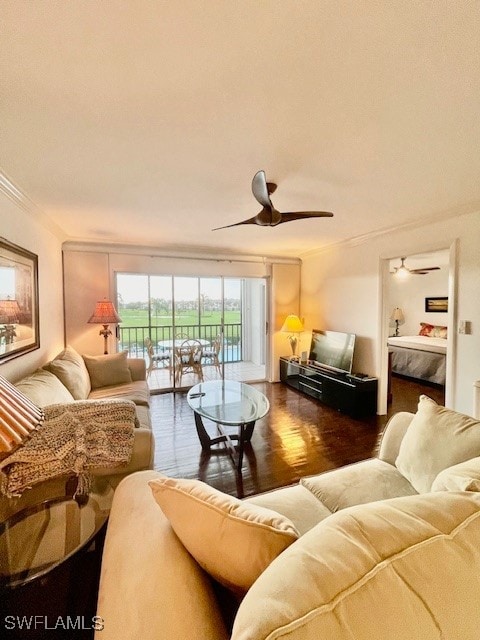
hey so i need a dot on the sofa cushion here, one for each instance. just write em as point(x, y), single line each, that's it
point(138, 392)
point(436, 438)
point(70, 369)
point(296, 503)
point(232, 540)
point(358, 483)
point(461, 477)
point(44, 388)
point(108, 370)
point(402, 568)
point(143, 415)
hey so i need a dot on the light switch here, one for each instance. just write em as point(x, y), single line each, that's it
point(464, 326)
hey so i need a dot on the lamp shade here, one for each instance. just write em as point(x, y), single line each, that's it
point(397, 315)
point(292, 324)
point(9, 311)
point(18, 417)
point(104, 313)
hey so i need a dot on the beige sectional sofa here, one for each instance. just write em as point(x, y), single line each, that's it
point(385, 548)
point(70, 377)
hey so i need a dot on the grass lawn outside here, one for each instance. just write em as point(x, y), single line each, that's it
point(139, 318)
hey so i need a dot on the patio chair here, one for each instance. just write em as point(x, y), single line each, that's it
point(211, 355)
point(188, 359)
point(156, 360)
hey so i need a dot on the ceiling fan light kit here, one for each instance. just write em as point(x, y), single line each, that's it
point(269, 216)
point(403, 271)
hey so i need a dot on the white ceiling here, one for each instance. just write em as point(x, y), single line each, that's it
point(144, 121)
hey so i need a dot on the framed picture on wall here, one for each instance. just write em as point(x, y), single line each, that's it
point(19, 321)
point(436, 305)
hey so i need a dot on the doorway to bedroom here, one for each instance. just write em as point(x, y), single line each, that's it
point(418, 303)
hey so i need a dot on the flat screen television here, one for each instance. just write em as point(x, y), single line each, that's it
point(332, 350)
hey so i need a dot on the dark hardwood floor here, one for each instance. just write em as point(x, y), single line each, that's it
point(298, 437)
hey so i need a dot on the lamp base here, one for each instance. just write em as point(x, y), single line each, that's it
point(105, 332)
point(293, 343)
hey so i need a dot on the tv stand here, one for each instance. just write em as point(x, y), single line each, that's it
point(354, 396)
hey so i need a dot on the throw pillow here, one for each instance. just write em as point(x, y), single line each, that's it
point(436, 438)
point(44, 388)
point(461, 477)
point(232, 540)
point(425, 329)
point(432, 330)
point(70, 369)
point(108, 370)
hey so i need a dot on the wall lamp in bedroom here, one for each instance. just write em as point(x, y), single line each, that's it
point(292, 325)
point(398, 318)
point(105, 313)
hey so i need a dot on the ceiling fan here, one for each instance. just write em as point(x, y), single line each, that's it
point(403, 270)
point(269, 216)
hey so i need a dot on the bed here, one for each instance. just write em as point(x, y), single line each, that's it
point(422, 357)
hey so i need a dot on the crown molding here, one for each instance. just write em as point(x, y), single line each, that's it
point(195, 253)
point(21, 200)
point(455, 212)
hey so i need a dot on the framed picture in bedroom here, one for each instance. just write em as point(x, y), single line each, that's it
point(19, 321)
point(436, 305)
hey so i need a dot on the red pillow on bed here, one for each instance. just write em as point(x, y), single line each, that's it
point(432, 331)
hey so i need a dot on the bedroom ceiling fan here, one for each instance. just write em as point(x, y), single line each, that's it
point(269, 216)
point(403, 271)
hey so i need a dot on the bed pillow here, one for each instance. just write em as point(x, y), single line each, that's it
point(432, 330)
point(234, 541)
point(436, 438)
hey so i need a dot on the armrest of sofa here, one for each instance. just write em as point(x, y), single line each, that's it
point(150, 586)
point(138, 368)
point(393, 435)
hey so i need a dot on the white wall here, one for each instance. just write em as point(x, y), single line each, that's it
point(341, 290)
point(28, 230)
point(285, 300)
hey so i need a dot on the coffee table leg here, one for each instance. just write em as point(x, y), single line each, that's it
point(203, 436)
point(249, 431)
point(245, 432)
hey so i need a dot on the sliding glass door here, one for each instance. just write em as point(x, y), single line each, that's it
point(193, 328)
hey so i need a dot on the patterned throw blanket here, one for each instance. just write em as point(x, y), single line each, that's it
point(74, 439)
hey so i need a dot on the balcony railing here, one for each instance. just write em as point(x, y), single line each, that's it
point(132, 339)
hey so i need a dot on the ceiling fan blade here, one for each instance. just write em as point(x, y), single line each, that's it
point(300, 215)
point(424, 270)
point(265, 218)
point(260, 190)
point(236, 224)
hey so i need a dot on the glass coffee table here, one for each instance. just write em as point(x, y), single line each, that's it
point(227, 403)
